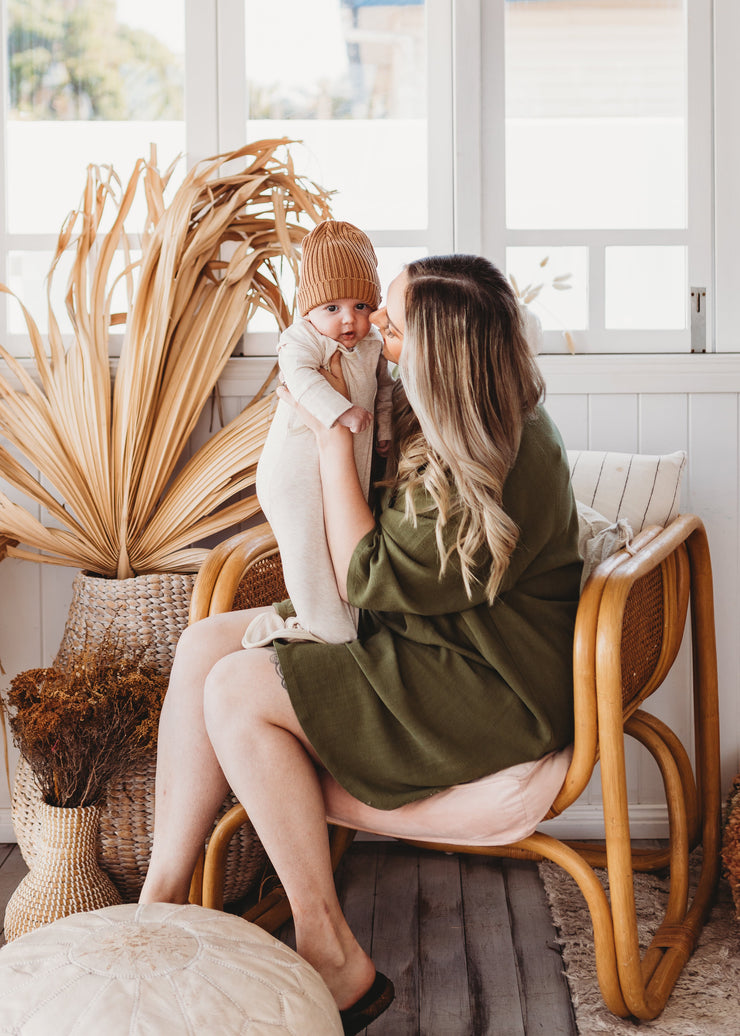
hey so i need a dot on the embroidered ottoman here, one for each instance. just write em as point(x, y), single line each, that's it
point(159, 970)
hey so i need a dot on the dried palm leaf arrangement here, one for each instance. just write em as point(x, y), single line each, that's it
point(108, 445)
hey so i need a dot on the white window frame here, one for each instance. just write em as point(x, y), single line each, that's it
point(481, 193)
point(467, 167)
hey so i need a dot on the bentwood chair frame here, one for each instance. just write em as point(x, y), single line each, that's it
point(629, 627)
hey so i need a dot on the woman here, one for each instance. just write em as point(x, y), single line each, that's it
point(467, 585)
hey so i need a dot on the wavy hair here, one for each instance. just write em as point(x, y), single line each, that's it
point(471, 382)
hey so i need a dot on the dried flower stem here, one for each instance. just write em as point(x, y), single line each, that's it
point(83, 723)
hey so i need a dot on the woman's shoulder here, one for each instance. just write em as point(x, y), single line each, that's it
point(541, 446)
point(541, 467)
point(539, 430)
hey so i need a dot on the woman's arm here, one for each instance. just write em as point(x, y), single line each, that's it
point(347, 517)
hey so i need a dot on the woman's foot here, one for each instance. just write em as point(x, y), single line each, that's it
point(371, 1004)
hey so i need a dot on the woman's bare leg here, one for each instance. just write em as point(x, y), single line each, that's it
point(190, 784)
point(270, 765)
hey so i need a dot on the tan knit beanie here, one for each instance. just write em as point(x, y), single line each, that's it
point(338, 262)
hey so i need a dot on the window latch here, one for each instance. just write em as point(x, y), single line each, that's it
point(698, 320)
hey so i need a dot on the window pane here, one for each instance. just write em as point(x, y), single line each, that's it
point(350, 83)
point(89, 81)
point(28, 278)
point(645, 287)
point(559, 277)
point(596, 114)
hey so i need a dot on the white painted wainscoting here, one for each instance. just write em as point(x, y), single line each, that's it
point(630, 404)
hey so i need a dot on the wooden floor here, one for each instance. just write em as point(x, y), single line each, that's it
point(467, 941)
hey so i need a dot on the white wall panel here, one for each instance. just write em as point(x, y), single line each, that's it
point(570, 414)
point(613, 423)
point(713, 495)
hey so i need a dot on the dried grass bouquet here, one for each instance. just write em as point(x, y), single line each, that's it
point(82, 724)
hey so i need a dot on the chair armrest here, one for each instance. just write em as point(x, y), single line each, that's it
point(226, 566)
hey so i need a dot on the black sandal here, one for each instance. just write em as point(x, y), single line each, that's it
point(372, 1004)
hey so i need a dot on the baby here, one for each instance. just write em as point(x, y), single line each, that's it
point(337, 291)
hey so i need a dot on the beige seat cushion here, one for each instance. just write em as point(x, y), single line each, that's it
point(159, 970)
point(494, 810)
point(642, 488)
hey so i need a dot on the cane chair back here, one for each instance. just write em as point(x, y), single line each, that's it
point(629, 628)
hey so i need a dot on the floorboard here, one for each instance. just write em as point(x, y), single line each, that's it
point(537, 955)
point(468, 941)
point(444, 1000)
point(395, 940)
point(492, 969)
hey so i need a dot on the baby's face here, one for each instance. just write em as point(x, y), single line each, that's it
point(345, 320)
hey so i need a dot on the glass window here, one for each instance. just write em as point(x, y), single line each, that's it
point(88, 81)
point(597, 166)
point(644, 287)
point(554, 284)
point(596, 114)
point(348, 79)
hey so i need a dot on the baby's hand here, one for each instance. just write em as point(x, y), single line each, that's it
point(357, 419)
point(383, 447)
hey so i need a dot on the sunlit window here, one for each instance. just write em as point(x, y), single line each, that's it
point(596, 160)
point(88, 81)
point(349, 80)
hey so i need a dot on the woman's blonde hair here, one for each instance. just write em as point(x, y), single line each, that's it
point(471, 382)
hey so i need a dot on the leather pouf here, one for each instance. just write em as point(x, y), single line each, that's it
point(160, 969)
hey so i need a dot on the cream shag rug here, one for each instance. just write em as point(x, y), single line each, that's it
point(706, 998)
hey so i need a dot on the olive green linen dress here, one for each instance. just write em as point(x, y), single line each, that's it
point(440, 689)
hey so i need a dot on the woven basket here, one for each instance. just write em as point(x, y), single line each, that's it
point(149, 610)
point(65, 878)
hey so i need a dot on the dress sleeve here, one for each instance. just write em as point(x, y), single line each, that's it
point(301, 357)
point(396, 568)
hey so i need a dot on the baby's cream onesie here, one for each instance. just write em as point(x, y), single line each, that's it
point(288, 481)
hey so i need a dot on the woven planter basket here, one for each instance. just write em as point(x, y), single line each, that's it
point(65, 877)
point(150, 610)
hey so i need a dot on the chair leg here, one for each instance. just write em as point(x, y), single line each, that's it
point(196, 882)
point(599, 909)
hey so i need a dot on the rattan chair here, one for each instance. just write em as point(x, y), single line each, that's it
point(629, 628)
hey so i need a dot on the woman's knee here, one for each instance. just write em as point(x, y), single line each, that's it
point(201, 645)
point(226, 696)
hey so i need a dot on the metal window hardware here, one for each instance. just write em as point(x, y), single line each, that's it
point(698, 320)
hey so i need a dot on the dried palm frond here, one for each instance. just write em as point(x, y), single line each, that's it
point(107, 447)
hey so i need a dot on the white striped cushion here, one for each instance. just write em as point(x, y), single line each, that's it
point(640, 487)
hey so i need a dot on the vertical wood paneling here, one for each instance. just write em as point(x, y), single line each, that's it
point(20, 638)
point(55, 583)
point(570, 414)
point(713, 495)
point(664, 428)
point(613, 423)
point(613, 426)
point(663, 422)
